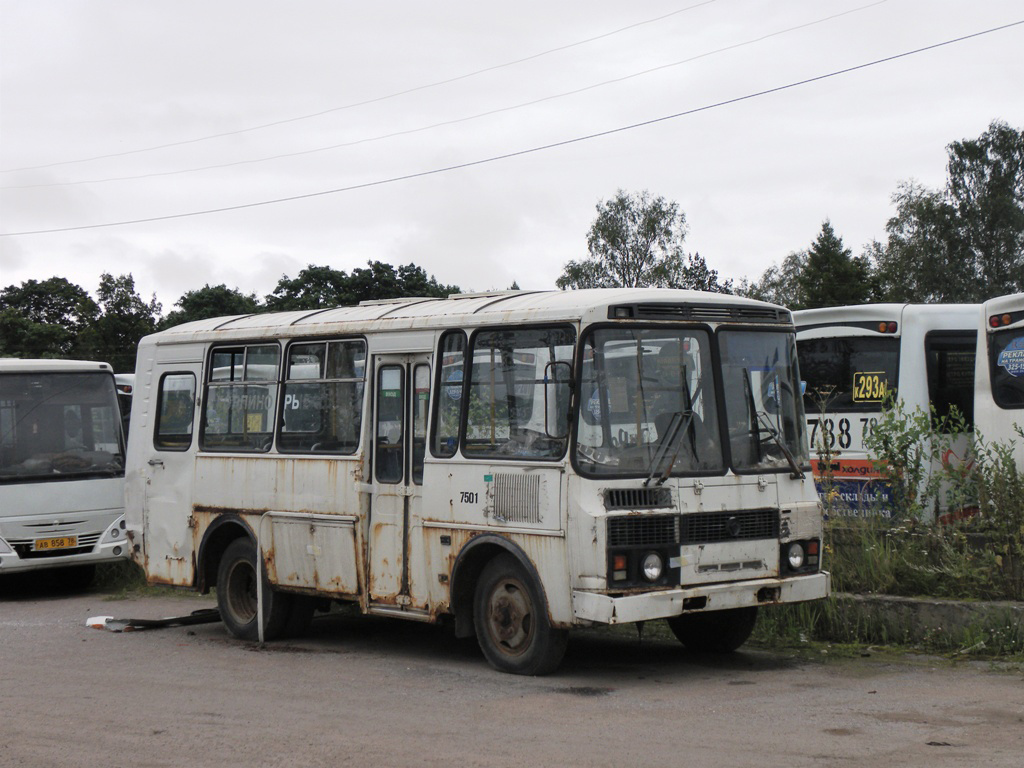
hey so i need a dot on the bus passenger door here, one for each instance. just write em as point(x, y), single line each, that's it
point(165, 459)
point(401, 399)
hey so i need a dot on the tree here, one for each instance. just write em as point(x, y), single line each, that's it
point(831, 276)
point(318, 287)
point(779, 284)
point(313, 288)
point(964, 243)
point(637, 240)
point(124, 319)
point(44, 319)
point(211, 301)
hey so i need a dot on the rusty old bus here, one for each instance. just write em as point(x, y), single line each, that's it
point(518, 462)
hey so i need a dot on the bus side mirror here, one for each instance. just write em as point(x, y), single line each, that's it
point(557, 374)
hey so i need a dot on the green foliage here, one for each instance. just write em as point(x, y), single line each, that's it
point(964, 243)
point(958, 527)
point(211, 301)
point(831, 276)
point(779, 284)
point(318, 287)
point(637, 241)
point(825, 275)
point(960, 244)
point(44, 319)
point(124, 319)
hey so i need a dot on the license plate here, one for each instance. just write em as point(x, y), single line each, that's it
point(57, 542)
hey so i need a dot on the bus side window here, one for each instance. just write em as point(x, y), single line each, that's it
point(322, 403)
point(241, 398)
point(950, 368)
point(175, 411)
point(448, 411)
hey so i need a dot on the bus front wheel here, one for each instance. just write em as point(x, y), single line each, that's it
point(511, 621)
point(715, 631)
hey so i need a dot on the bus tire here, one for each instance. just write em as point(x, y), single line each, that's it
point(511, 621)
point(236, 595)
point(715, 631)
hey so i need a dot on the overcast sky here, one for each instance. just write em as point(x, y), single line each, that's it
point(200, 100)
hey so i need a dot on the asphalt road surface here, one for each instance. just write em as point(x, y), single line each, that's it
point(373, 692)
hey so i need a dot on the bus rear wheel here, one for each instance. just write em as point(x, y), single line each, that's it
point(715, 631)
point(237, 595)
point(511, 621)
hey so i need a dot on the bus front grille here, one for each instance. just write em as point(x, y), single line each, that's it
point(647, 531)
point(711, 527)
point(697, 528)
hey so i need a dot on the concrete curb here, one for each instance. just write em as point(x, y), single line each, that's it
point(913, 620)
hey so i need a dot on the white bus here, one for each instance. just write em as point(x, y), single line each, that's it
point(519, 462)
point(61, 468)
point(999, 381)
point(852, 358)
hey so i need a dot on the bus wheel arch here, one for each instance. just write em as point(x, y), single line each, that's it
point(229, 561)
point(469, 564)
point(218, 536)
point(498, 595)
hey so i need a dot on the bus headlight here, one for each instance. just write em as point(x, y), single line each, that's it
point(652, 566)
point(795, 555)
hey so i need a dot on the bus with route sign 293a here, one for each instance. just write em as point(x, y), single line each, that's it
point(854, 359)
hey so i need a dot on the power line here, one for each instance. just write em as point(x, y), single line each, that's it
point(365, 102)
point(532, 150)
point(455, 121)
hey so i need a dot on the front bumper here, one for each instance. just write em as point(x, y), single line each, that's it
point(111, 546)
point(626, 609)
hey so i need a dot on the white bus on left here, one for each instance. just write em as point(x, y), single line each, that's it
point(61, 468)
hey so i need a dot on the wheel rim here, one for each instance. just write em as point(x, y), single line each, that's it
point(510, 617)
point(241, 589)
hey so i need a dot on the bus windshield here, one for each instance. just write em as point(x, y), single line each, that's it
point(647, 404)
point(57, 426)
point(762, 401)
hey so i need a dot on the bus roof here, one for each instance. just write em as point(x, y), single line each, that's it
point(1013, 304)
point(965, 315)
point(470, 310)
point(17, 365)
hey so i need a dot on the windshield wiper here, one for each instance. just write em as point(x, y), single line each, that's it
point(763, 424)
point(762, 417)
point(671, 442)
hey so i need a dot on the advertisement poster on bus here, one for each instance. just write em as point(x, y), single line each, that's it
point(853, 488)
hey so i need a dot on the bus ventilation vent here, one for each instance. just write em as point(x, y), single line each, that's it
point(637, 498)
point(517, 498)
point(647, 531)
point(711, 313)
point(709, 527)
